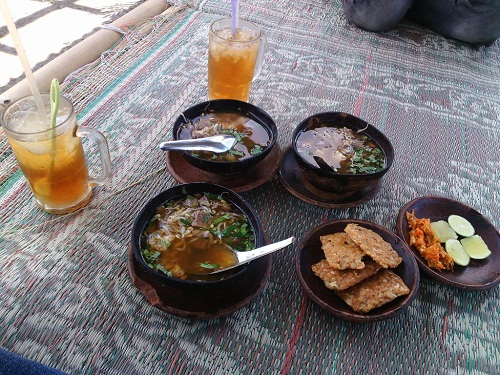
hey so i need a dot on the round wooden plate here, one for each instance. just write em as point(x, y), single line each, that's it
point(479, 274)
point(310, 252)
point(294, 183)
point(183, 172)
point(195, 305)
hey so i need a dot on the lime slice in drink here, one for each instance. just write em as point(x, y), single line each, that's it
point(455, 250)
point(475, 247)
point(443, 231)
point(461, 225)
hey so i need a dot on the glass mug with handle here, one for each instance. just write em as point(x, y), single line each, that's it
point(234, 61)
point(52, 158)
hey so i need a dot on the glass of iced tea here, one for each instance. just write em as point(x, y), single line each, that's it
point(234, 60)
point(52, 158)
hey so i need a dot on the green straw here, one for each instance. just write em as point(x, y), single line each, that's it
point(55, 95)
point(54, 98)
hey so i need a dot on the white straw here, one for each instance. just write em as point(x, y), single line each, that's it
point(235, 15)
point(24, 61)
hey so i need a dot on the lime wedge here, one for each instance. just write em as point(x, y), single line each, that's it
point(443, 231)
point(461, 225)
point(455, 250)
point(475, 247)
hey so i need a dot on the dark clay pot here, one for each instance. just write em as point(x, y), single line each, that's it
point(340, 185)
point(193, 295)
point(227, 106)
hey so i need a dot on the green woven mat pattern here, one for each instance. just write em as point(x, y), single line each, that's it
point(66, 298)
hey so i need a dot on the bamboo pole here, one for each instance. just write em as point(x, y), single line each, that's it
point(85, 52)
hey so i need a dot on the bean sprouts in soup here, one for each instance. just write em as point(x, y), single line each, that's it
point(252, 138)
point(194, 235)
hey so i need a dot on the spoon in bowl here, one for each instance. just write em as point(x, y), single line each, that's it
point(247, 256)
point(217, 143)
point(322, 164)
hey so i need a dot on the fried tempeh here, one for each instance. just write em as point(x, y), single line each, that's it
point(373, 245)
point(342, 279)
point(375, 291)
point(341, 252)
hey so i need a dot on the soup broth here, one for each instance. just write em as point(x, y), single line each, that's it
point(252, 138)
point(192, 236)
point(340, 149)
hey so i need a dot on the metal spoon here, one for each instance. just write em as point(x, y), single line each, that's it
point(217, 143)
point(247, 256)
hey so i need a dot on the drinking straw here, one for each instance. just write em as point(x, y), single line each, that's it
point(24, 60)
point(234, 12)
point(54, 98)
point(55, 94)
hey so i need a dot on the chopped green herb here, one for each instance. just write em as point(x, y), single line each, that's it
point(149, 256)
point(213, 197)
point(257, 149)
point(152, 221)
point(229, 230)
point(159, 267)
point(249, 245)
point(217, 233)
point(244, 229)
point(236, 152)
point(222, 218)
point(367, 160)
point(238, 135)
point(185, 222)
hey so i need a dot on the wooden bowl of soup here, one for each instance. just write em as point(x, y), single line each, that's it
point(339, 154)
point(254, 129)
point(183, 232)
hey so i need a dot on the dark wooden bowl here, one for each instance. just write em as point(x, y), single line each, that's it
point(194, 295)
point(173, 300)
point(480, 274)
point(310, 252)
point(227, 106)
point(322, 181)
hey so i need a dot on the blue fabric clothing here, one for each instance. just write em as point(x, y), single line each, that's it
point(376, 15)
point(473, 21)
point(13, 364)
